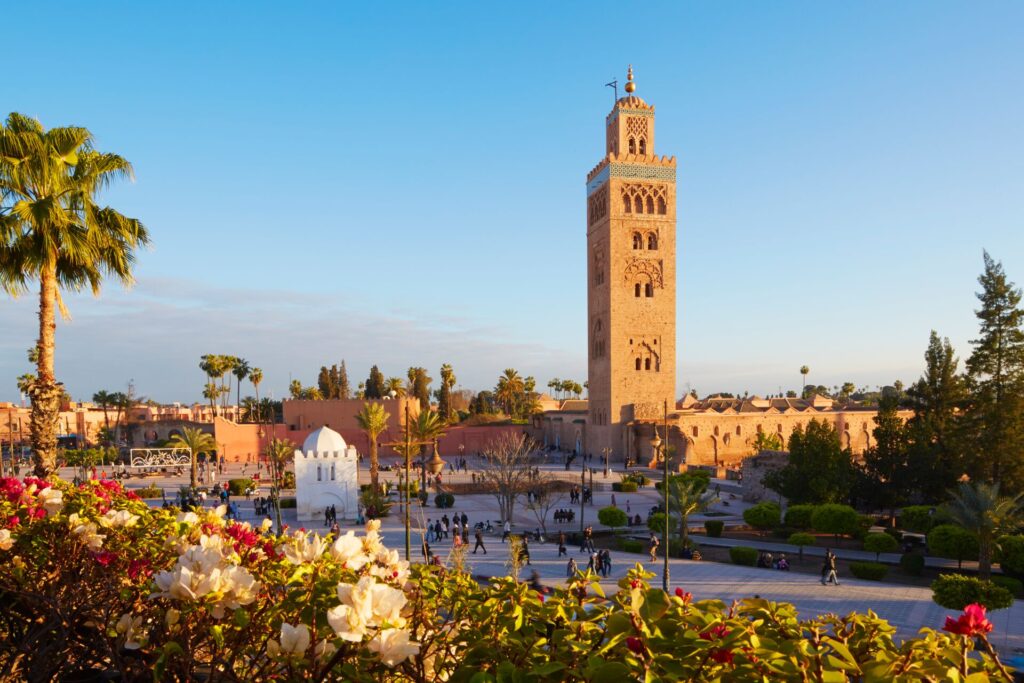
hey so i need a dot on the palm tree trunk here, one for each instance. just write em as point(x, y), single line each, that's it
point(984, 558)
point(45, 392)
point(194, 473)
point(259, 413)
point(374, 466)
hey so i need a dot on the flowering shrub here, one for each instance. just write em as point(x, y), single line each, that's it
point(95, 584)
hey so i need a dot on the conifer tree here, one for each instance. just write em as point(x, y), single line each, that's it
point(374, 384)
point(886, 461)
point(994, 418)
point(344, 391)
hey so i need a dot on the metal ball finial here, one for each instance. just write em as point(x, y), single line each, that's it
point(630, 85)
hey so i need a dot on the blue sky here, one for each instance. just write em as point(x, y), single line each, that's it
point(403, 184)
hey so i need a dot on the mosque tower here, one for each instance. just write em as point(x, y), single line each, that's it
point(631, 279)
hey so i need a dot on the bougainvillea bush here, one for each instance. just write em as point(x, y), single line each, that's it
point(95, 585)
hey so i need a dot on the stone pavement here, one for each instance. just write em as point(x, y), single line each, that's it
point(907, 608)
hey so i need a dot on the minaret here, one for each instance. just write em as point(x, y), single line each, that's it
point(631, 278)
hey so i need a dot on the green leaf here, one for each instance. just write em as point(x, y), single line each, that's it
point(241, 618)
point(619, 622)
point(218, 635)
point(611, 672)
point(655, 605)
point(547, 669)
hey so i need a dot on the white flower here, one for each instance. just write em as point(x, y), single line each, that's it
point(294, 639)
point(266, 524)
point(187, 517)
point(348, 550)
point(373, 525)
point(52, 500)
point(203, 572)
point(393, 646)
point(300, 549)
point(346, 623)
point(134, 636)
point(118, 518)
point(86, 532)
point(6, 541)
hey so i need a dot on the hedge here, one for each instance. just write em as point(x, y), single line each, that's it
point(912, 564)
point(287, 503)
point(714, 528)
point(631, 545)
point(238, 487)
point(742, 554)
point(624, 486)
point(762, 516)
point(444, 500)
point(835, 519)
point(953, 543)
point(1010, 556)
point(956, 591)
point(872, 571)
point(880, 543)
point(799, 516)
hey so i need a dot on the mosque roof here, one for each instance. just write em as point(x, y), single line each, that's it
point(324, 440)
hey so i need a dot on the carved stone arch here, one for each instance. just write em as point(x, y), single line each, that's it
point(638, 240)
point(652, 241)
point(638, 204)
point(647, 270)
point(627, 202)
point(650, 205)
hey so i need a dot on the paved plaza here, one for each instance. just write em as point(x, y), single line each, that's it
point(908, 608)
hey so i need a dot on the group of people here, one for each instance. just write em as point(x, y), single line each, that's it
point(440, 529)
point(330, 516)
point(828, 568)
point(766, 560)
point(576, 492)
point(564, 516)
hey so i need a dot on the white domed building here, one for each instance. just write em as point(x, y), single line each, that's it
point(326, 474)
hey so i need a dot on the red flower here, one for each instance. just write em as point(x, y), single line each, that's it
point(36, 513)
point(971, 623)
point(14, 521)
point(105, 557)
point(716, 632)
point(138, 568)
point(131, 495)
point(540, 596)
point(40, 483)
point(635, 645)
point(11, 489)
point(634, 584)
point(684, 596)
point(722, 656)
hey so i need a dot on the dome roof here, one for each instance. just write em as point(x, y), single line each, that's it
point(324, 440)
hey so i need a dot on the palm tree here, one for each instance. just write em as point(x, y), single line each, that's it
point(804, 371)
point(395, 384)
point(373, 420)
point(240, 371)
point(105, 399)
point(428, 426)
point(53, 231)
point(256, 376)
point(447, 381)
point(555, 385)
point(195, 441)
point(685, 498)
point(509, 389)
point(979, 508)
point(278, 451)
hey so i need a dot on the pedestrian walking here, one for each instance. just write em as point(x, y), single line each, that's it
point(524, 550)
point(561, 543)
point(479, 542)
point(830, 567)
point(654, 543)
point(507, 531)
point(571, 569)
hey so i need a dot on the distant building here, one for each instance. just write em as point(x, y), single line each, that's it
point(326, 475)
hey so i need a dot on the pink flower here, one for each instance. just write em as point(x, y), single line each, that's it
point(971, 623)
point(684, 596)
point(14, 521)
point(716, 632)
point(105, 557)
point(138, 568)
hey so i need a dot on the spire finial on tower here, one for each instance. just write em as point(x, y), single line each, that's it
point(630, 85)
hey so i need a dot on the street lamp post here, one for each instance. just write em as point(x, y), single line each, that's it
point(583, 485)
point(607, 452)
point(658, 445)
point(407, 445)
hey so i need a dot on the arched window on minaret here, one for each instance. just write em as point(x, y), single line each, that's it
point(632, 146)
point(647, 363)
point(637, 363)
point(650, 204)
point(662, 208)
point(627, 202)
point(648, 290)
point(643, 146)
point(638, 204)
point(636, 290)
point(638, 241)
point(652, 241)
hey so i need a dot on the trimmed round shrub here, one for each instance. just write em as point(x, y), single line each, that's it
point(800, 539)
point(912, 564)
point(238, 487)
point(444, 500)
point(880, 543)
point(1010, 556)
point(151, 491)
point(953, 543)
point(1015, 586)
point(742, 554)
point(799, 516)
point(838, 520)
point(763, 516)
point(921, 518)
point(956, 591)
point(714, 527)
point(624, 486)
point(656, 523)
point(612, 516)
point(871, 571)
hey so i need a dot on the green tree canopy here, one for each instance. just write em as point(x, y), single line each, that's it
point(819, 470)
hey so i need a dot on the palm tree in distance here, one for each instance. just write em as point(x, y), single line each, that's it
point(195, 441)
point(687, 497)
point(395, 384)
point(428, 426)
point(804, 371)
point(979, 508)
point(509, 389)
point(256, 376)
point(52, 231)
point(373, 420)
point(240, 371)
point(105, 400)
